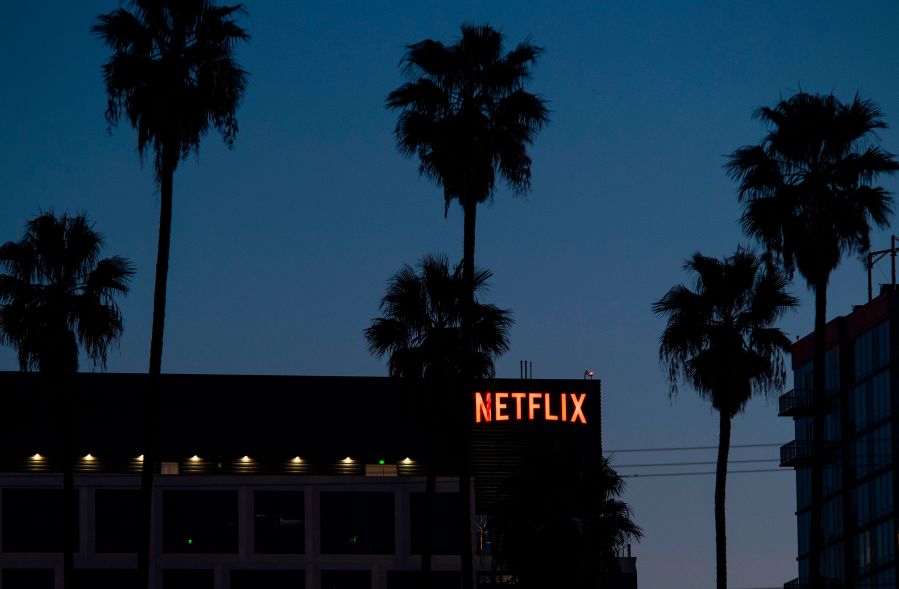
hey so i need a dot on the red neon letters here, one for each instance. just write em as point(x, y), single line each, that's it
point(503, 406)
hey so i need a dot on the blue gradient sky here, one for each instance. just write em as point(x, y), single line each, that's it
point(282, 247)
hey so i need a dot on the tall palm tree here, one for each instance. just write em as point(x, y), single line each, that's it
point(721, 340)
point(565, 511)
point(466, 115)
point(421, 334)
point(173, 75)
point(809, 196)
point(56, 296)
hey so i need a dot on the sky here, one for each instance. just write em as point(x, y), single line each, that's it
point(282, 246)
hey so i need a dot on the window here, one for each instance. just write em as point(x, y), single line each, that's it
point(885, 542)
point(412, 580)
point(863, 555)
point(803, 523)
point(882, 488)
point(803, 487)
point(832, 563)
point(872, 350)
point(117, 520)
point(833, 518)
point(104, 579)
point(445, 535)
point(862, 504)
point(869, 401)
point(873, 451)
point(357, 523)
point(278, 519)
point(199, 521)
point(27, 578)
point(32, 520)
point(247, 579)
point(188, 579)
point(346, 580)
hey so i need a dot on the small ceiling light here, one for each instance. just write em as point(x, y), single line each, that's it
point(37, 456)
point(407, 460)
point(140, 458)
point(296, 459)
point(347, 459)
point(88, 457)
point(194, 458)
point(246, 459)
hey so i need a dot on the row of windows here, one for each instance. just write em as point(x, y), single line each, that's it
point(872, 350)
point(207, 522)
point(875, 546)
point(869, 402)
point(873, 499)
point(239, 579)
point(873, 451)
point(803, 377)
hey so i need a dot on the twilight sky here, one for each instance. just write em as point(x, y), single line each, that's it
point(282, 247)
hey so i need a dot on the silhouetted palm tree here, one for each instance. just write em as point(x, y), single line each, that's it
point(560, 523)
point(173, 75)
point(467, 117)
point(421, 334)
point(809, 197)
point(56, 294)
point(721, 340)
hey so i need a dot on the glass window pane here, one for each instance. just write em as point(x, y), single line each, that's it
point(278, 520)
point(247, 579)
point(188, 579)
point(199, 521)
point(117, 520)
point(444, 537)
point(32, 520)
point(357, 523)
point(346, 580)
point(27, 578)
point(104, 579)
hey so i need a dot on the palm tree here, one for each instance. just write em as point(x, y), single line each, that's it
point(172, 73)
point(467, 117)
point(721, 340)
point(421, 334)
point(564, 511)
point(809, 197)
point(57, 295)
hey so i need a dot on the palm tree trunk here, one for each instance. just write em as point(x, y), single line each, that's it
point(819, 394)
point(427, 548)
point(170, 156)
point(720, 485)
point(68, 487)
point(470, 209)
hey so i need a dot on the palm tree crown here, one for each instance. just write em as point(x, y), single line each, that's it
point(57, 293)
point(720, 337)
point(807, 188)
point(466, 114)
point(421, 327)
point(172, 72)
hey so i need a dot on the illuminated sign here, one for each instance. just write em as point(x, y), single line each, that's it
point(518, 406)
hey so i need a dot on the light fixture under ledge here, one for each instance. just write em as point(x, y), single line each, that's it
point(88, 457)
point(296, 459)
point(246, 459)
point(347, 460)
point(140, 458)
point(36, 456)
point(407, 460)
point(194, 458)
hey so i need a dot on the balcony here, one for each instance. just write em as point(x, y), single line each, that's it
point(796, 403)
point(796, 453)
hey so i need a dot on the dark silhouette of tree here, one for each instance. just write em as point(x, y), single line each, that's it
point(560, 522)
point(421, 335)
point(467, 117)
point(809, 197)
point(57, 295)
point(721, 340)
point(173, 75)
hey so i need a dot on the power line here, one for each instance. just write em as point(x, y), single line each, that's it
point(673, 449)
point(694, 463)
point(687, 474)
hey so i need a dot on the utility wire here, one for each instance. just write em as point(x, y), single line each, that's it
point(693, 463)
point(673, 449)
point(687, 474)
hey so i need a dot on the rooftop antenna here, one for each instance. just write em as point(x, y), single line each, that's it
point(525, 369)
point(876, 256)
point(588, 375)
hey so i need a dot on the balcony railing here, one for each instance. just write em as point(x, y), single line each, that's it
point(797, 402)
point(796, 453)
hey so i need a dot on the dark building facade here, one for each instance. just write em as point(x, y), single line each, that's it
point(860, 436)
point(266, 481)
